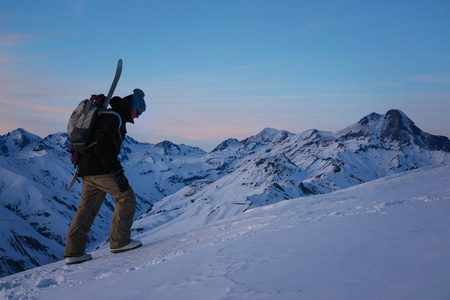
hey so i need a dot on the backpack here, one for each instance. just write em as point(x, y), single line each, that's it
point(79, 128)
point(81, 122)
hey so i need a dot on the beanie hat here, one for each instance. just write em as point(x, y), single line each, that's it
point(138, 101)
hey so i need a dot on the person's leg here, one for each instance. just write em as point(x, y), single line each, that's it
point(120, 233)
point(91, 200)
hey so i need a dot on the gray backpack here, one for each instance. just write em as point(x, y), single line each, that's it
point(82, 121)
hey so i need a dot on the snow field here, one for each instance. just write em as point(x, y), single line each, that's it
point(386, 239)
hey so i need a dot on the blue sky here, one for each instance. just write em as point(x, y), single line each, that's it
point(213, 70)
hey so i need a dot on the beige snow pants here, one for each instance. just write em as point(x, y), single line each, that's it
point(93, 193)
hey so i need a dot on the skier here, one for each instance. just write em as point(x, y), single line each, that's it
point(102, 173)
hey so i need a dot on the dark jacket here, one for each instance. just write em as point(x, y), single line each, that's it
point(101, 158)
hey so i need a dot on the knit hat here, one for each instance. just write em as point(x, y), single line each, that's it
point(138, 101)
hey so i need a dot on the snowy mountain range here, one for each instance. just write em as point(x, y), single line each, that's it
point(180, 185)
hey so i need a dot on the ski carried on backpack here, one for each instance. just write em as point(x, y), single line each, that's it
point(114, 83)
point(83, 119)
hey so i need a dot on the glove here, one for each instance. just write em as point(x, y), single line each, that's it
point(122, 181)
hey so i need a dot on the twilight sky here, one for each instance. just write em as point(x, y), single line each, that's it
point(219, 69)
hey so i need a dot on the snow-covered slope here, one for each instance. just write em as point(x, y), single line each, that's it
point(186, 185)
point(386, 239)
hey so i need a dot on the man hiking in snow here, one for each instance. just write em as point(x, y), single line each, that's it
point(102, 174)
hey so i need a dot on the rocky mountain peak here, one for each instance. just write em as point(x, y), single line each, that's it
point(398, 127)
point(168, 147)
point(16, 141)
point(266, 136)
point(394, 126)
point(229, 143)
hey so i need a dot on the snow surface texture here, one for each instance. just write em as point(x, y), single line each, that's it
point(386, 239)
point(185, 187)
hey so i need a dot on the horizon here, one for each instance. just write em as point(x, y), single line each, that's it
point(218, 70)
point(240, 140)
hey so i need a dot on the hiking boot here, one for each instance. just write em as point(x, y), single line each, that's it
point(132, 245)
point(78, 259)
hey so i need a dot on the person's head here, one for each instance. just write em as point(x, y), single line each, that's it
point(137, 103)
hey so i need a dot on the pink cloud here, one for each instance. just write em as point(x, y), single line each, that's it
point(432, 78)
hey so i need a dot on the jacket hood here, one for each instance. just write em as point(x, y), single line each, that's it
point(123, 107)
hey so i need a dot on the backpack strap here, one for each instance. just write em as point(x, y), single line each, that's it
point(110, 112)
